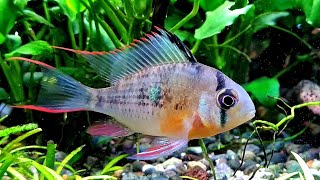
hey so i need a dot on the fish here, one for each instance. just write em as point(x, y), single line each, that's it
point(156, 87)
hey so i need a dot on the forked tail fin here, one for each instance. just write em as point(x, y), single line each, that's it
point(59, 92)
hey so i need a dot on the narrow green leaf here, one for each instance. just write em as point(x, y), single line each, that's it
point(15, 173)
point(113, 162)
point(32, 16)
point(32, 48)
point(67, 159)
point(9, 146)
point(47, 172)
point(306, 171)
point(5, 165)
point(218, 19)
point(263, 87)
point(50, 156)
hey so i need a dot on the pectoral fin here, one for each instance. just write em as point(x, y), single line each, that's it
point(161, 147)
point(109, 128)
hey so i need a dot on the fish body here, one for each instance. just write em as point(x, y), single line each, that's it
point(157, 88)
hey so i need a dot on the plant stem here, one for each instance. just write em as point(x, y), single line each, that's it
point(193, 12)
point(236, 36)
point(80, 21)
point(51, 150)
point(111, 34)
point(71, 34)
point(238, 51)
point(291, 116)
point(46, 11)
point(115, 21)
point(205, 154)
point(196, 46)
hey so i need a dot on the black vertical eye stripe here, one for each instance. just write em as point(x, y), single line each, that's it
point(220, 85)
point(220, 81)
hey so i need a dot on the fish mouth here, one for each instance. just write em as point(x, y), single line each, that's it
point(251, 114)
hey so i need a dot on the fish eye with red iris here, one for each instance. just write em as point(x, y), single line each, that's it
point(227, 98)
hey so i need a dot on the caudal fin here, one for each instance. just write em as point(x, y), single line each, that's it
point(59, 92)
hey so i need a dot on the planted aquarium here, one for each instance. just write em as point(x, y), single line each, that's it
point(159, 89)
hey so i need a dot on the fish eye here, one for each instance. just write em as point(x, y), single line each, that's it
point(227, 98)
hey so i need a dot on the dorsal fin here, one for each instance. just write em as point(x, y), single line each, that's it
point(157, 48)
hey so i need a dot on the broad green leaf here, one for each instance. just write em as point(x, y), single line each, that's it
point(267, 19)
point(71, 7)
point(311, 8)
point(274, 5)
point(306, 171)
point(239, 4)
point(3, 94)
point(263, 87)
point(32, 48)
point(218, 19)
point(8, 15)
point(13, 42)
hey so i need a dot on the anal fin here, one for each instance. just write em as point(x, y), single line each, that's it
point(111, 129)
point(161, 146)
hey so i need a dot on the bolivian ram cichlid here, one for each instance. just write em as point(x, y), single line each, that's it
point(157, 88)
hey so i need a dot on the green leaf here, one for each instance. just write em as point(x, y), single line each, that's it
point(311, 8)
point(3, 94)
point(2, 38)
point(68, 158)
point(8, 15)
point(218, 19)
point(32, 16)
point(274, 5)
point(32, 48)
point(71, 7)
point(13, 42)
point(21, 4)
point(263, 87)
point(267, 19)
point(112, 162)
point(306, 171)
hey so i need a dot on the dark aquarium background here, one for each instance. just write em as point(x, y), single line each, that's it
point(270, 47)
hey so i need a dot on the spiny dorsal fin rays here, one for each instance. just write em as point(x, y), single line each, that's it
point(158, 48)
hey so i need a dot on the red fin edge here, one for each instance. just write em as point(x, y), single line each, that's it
point(31, 61)
point(48, 110)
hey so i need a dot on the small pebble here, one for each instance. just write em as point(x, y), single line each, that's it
point(171, 167)
point(231, 155)
point(148, 169)
point(195, 150)
point(137, 165)
point(253, 148)
point(249, 155)
point(233, 164)
point(293, 166)
point(193, 164)
point(247, 163)
point(278, 158)
point(250, 169)
point(224, 169)
point(159, 167)
point(158, 176)
point(171, 161)
point(316, 164)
